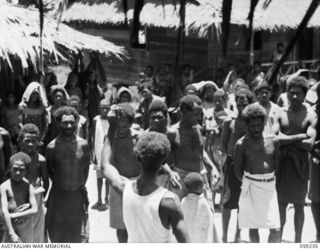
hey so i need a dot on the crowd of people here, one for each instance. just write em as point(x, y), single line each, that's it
point(161, 162)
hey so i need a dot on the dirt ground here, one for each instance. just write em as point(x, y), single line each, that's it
point(102, 233)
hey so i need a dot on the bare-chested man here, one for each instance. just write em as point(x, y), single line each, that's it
point(37, 175)
point(233, 130)
point(18, 202)
point(256, 160)
point(5, 153)
point(151, 213)
point(120, 148)
point(68, 159)
point(296, 125)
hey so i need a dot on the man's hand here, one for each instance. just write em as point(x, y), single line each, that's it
point(175, 179)
point(14, 238)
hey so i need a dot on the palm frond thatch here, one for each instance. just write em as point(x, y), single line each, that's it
point(21, 28)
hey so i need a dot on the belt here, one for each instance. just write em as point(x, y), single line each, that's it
point(261, 180)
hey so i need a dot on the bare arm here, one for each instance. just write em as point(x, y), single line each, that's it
point(33, 209)
point(44, 175)
point(7, 147)
point(225, 136)
point(50, 161)
point(110, 172)
point(45, 122)
point(170, 210)
point(5, 211)
point(86, 160)
point(239, 159)
point(276, 155)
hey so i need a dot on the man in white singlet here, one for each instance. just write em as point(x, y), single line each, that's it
point(151, 213)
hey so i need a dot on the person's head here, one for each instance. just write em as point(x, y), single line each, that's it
point(11, 99)
point(151, 150)
point(149, 70)
point(263, 92)
point(75, 102)
point(186, 69)
point(124, 95)
point(191, 109)
point(19, 164)
point(92, 77)
point(220, 117)
point(243, 98)
point(296, 90)
point(29, 138)
point(167, 68)
point(147, 90)
point(208, 92)
point(241, 64)
point(239, 83)
point(35, 98)
point(219, 99)
point(194, 183)
point(280, 47)
point(125, 118)
point(67, 118)
point(72, 81)
point(190, 89)
point(254, 116)
point(104, 107)
point(257, 67)
point(58, 95)
point(158, 115)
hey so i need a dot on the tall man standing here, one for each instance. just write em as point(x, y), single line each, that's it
point(296, 125)
point(68, 160)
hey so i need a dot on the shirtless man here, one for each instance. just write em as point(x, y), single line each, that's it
point(37, 175)
point(263, 93)
point(121, 153)
point(68, 159)
point(256, 160)
point(233, 129)
point(18, 202)
point(151, 213)
point(296, 125)
point(5, 153)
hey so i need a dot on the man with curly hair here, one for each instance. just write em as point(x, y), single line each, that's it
point(68, 159)
point(256, 160)
point(151, 213)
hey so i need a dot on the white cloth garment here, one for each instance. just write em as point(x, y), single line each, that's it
point(258, 203)
point(101, 130)
point(199, 218)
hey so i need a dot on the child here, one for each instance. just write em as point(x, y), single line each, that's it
point(18, 202)
point(82, 126)
point(196, 210)
point(101, 128)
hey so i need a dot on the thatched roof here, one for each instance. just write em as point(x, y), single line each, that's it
point(20, 29)
point(280, 14)
point(161, 13)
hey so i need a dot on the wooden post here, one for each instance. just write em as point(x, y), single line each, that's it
point(252, 48)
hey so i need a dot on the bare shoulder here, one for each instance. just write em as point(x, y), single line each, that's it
point(5, 186)
point(170, 202)
point(82, 142)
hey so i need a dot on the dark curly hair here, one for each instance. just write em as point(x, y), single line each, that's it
point(187, 102)
point(65, 110)
point(125, 111)
point(261, 86)
point(158, 105)
point(244, 92)
point(152, 147)
point(20, 157)
point(253, 111)
point(28, 128)
point(298, 82)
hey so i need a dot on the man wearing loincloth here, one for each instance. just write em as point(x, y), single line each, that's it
point(68, 160)
point(233, 129)
point(256, 159)
point(296, 125)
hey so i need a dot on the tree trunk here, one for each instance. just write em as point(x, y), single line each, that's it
point(135, 26)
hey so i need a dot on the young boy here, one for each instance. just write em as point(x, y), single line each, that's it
point(82, 125)
point(37, 175)
point(101, 127)
point(196, 210)
point(18, 202)
point(256, 160)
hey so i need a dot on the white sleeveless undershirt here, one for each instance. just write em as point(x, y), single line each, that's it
point(141, 216)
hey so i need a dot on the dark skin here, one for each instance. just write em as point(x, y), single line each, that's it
point(5, 149)
point(69, 157)
point(38, 166)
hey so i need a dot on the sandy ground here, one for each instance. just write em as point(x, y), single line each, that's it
point(102, 233)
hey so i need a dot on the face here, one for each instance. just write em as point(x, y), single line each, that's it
point(147, 92)
point(11, 99)
point(34, 97)
point(242, 101)
point(219, 102)
point(194, 117)
point(125, 97)
point(18, 171)
point(186, 70)
point(158, 121)
point(68, 125)
point(76, 105)
point(296, 96)
point(257, 68)
point(255, 127)
point(92, 77)
point(29, 143)
point(58, 98)
point(123, 126)
point(208, 95)
point(280, 49)
point(104, 110)
point(264, 96)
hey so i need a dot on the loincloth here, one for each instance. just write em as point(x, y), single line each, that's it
point(66, 211)
point(231, 186)
point(258, 202)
